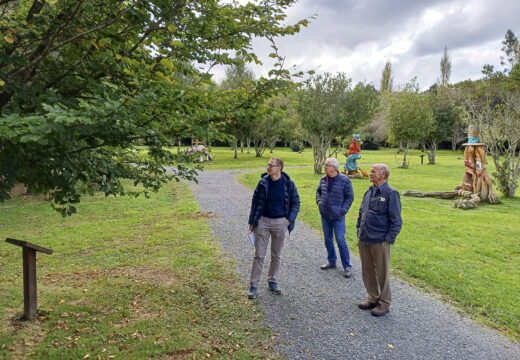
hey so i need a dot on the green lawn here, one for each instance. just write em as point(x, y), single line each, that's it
point(470, 258)
point(129, 279)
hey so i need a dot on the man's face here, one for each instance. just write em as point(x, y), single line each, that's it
point(376, 174)
point(330, 169)
point(273, 168)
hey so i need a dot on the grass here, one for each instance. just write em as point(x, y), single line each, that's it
point(128, 279)
point(470, 258)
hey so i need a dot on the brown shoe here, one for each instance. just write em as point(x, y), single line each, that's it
point(367, 305)
point(380, 310)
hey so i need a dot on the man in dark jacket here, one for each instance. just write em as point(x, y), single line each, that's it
point(378, 225)
point(274, 208)
point(334, 196)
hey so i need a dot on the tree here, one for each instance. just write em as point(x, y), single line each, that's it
point(329, 107)
point(444, 111)
point(445, 69)
point(387, 80)
point(493, 105)
point(239, 82)
point(445, 119)
point(83, 82)
point(510, 48)
point(410, 119)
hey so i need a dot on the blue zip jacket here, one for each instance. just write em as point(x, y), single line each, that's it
point(334, 199)
point(291, 200)
point(379, 215)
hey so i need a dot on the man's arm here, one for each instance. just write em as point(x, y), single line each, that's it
point(348, 196)
point(254, 203)
point(294, 203)
point(394, 216)
point(318, 193)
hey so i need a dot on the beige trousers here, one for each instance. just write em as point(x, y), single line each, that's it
point(274, 228)
point(375, 267)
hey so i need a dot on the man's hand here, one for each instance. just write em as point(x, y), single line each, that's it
point(251, 228)
point(288, 222)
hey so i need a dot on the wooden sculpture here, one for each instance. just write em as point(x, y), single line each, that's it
point(476, 184)
point(353, 154)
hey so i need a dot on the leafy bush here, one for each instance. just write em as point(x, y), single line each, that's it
point(297, 146)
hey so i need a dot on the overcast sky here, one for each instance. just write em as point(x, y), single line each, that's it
point(358, 37)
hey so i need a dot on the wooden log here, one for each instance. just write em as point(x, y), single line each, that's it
point(438, 194)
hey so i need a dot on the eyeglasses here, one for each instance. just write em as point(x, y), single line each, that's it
point(272, 165)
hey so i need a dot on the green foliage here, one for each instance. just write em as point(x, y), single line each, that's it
point(329, 107)
point(493, 105)
point(83, 83)
point(410, 119)
point(297, 146)
point(129, 278)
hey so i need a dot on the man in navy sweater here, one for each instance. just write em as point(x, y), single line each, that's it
point(334, 196)
point(378, 225)
point(274, 208)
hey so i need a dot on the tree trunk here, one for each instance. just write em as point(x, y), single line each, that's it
point(405, 151)
point(259, 145)
point(235, 146)
point(432, 153)
point(179, 146)
point(248, 145)
point(319, 152)
point(241, 145)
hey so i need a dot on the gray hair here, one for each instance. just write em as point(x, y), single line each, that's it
point(385, 168)
point(333, 161)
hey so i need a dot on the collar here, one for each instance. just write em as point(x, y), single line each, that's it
point(380, 187)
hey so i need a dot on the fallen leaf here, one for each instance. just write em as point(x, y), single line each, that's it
point(351, 334)
point(460, 276)
point(86, 356)
point(390, 346)
point(62, 301)
point(208, 355)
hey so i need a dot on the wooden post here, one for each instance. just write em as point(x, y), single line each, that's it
point(421, 156)
point(29, 276)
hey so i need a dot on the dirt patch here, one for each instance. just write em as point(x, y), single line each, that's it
point(141, 273)
point(18, 189)
point(200, 214)
point(178, 355)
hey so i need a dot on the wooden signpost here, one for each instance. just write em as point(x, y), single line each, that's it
point(29, 276)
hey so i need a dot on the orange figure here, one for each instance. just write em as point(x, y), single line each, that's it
point(353, 154)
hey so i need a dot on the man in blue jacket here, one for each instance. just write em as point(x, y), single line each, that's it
point(378, 225)
point(334, 196)
point(274, 208)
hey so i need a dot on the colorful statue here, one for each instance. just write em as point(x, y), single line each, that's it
point(476, 184)
point(353, 154)
point(476, 178)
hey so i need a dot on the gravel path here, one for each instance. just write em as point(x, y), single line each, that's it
point(317, 317)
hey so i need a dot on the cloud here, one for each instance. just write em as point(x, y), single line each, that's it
point(358, 37)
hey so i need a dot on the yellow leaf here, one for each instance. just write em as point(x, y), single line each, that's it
point(118, 57)
point(390, 346)
point(2, 82)
point(62, 301)
point(351, 334)
point(460, 276)
point(167, 63)
point(9, 39)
